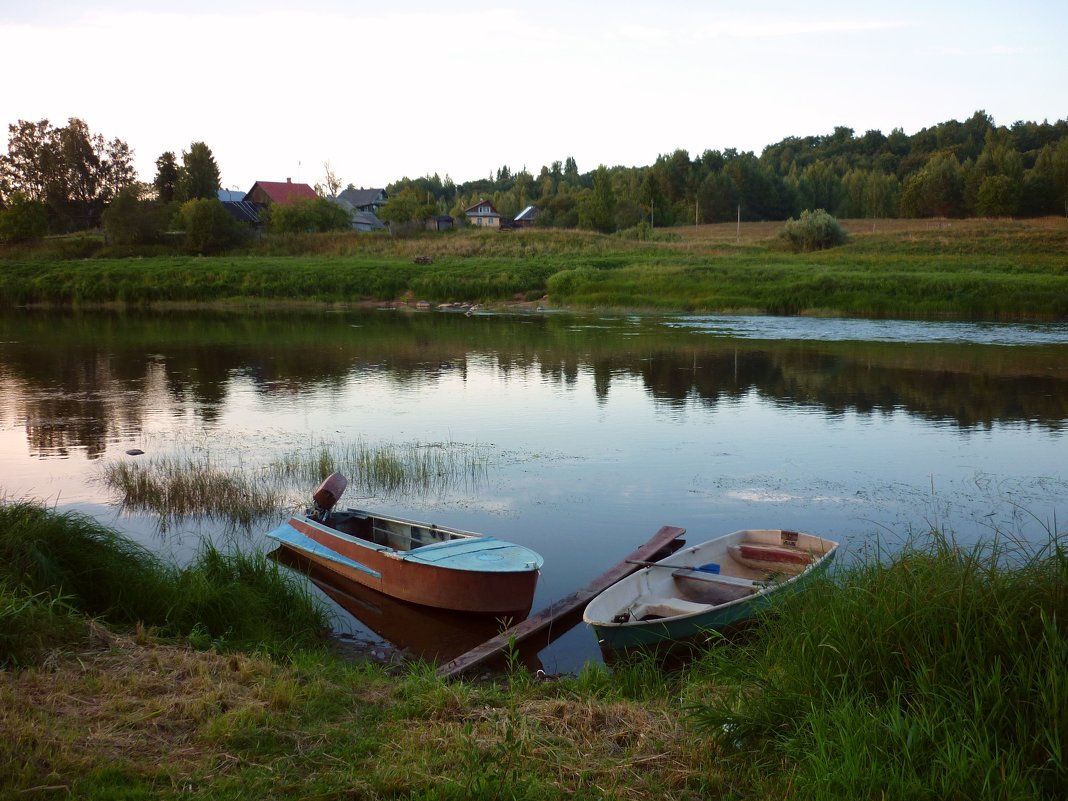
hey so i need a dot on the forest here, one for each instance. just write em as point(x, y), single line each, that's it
point(973, 168)
point(59, 179)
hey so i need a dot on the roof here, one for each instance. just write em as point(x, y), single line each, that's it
point(529, 213)
point(230, 195)
point(363, 197)
point(283, 191)
point(474, 209)
point(243, 211)
point(368, 219)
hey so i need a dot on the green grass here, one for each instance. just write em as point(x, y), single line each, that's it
point(935, 672)
point(58, 571)
point(984, 269)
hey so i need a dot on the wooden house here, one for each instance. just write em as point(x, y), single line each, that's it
point(267, 193)
point(483, 215)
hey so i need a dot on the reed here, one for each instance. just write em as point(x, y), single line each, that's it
point(195, 485)
point(390, 469)
point(939, 674)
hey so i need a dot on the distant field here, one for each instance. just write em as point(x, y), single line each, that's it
point(983, 269)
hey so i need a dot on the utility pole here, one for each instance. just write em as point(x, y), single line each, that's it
point(738, 236)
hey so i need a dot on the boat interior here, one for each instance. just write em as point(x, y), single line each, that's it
point(400, 535)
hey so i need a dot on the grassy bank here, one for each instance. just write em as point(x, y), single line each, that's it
point(973, 268)
point(934, 673)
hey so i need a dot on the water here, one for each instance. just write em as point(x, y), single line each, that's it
point(598, 429)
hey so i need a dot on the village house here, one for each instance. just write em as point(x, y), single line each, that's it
point(525, 218)
point(267, 193)
point(483, 215)
point(365, 199)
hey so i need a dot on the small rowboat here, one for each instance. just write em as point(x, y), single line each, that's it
point(421, 563)
point(714, 585)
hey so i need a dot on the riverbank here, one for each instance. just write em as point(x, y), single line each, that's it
point(831, 698)
point(975, 269)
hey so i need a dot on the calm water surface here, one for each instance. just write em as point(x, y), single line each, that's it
point(597, 429)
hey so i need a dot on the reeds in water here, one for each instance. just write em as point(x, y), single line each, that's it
point(197, 485)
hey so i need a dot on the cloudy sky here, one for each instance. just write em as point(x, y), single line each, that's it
point(408, 88)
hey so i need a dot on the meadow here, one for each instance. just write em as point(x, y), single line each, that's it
point(976, 269)
point(935, 672)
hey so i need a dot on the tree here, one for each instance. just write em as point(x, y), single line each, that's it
point(331, 183)
point(167, 176)
point(199, 178)
point(74, 172)
point(129, 220)
point(308, 216)
point(209, 228)
point(24, 219)
point(598, 210)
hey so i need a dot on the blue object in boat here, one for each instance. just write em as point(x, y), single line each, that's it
point(711, 567)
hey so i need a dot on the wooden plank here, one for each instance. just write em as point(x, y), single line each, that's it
point(660, 541)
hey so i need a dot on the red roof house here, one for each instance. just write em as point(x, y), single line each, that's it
point(271, 192)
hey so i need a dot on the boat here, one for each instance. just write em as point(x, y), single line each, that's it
point(422, 563)
point(715, 585)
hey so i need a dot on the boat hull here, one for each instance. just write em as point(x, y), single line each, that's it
point(675, 599)
point(464, 572)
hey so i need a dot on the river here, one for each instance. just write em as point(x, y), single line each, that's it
point(595, 429)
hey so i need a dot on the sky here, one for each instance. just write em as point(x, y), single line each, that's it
point(406, 88)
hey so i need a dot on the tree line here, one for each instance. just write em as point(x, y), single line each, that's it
point(953, 169)
point(66, 178)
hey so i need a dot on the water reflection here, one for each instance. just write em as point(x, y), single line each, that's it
point(76, 381)
point(599, 429)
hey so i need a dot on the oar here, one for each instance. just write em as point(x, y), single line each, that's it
point(701, 568)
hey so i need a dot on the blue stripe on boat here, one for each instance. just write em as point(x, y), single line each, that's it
point(285, 533)
point(487, 554)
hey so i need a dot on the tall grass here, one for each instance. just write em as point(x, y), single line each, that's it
point(59, 569)
point(180, 486)
point(943, 674)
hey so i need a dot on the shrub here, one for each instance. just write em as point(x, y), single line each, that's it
point(209, 228)
point(132, 221)
point(23, 220)
point(813, 230)
point(308, 216)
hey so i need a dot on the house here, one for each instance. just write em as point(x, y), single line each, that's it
point(242, 210)
point(365, 199)
point(525, 218)
point(440, 222)
point(483, 214)
point(361, 220)
point(267, 193)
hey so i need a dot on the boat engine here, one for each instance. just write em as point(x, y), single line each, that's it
point(327, 495)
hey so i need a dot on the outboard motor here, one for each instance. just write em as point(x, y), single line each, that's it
point(327, 495)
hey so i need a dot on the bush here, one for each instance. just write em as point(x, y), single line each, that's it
point(813, 230)
point(308, 216)
point(132, 221)
point(209, 228)
point(23, 220)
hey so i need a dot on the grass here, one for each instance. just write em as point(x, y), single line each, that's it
point(988, 269)
point(196, 485)
point(936, 672)
point(58, 572)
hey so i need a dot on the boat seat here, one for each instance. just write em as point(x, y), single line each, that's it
point(718, 578)
point(666, 607)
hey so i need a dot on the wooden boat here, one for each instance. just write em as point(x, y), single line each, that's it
point(713, 585)
point(422, 563)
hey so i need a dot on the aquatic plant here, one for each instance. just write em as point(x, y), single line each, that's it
point(197, 485)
